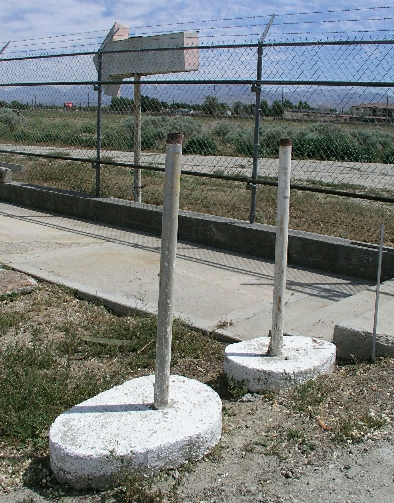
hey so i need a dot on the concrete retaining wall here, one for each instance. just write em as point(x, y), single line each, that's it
point(316, 251)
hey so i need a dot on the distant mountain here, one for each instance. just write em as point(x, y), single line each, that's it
point(339, 98)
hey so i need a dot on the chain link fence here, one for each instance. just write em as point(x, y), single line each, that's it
point(61, 127)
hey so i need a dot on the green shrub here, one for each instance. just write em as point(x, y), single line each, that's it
point(149, 138)
point(155, 122)
point(387, 157)
point(242, 141)
point(202, 145)
point(331, 142)
point(10, 118)
point(118, 138)
point(224, 128)
point(270, 138)
point(88, 127)
point(185, 125)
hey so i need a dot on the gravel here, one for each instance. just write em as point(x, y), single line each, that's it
point(329, 441)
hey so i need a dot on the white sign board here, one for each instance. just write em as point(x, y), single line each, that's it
point(142, 58)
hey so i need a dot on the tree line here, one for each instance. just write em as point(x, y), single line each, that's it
point(210, 106)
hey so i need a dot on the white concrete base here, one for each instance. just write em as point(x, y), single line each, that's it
point(303, 359)
point(118, 431)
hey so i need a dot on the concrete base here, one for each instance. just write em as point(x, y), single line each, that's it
point(117, 432)
point(303, 359)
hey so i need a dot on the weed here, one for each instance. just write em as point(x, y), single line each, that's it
point(309, 396)
point(224, 324)
point(137, 489)
point(300, 439)
point(10, 320)
point(354, 429)
point(294, 434)
point(37, 387)
point(272, 447)
point(216, 454)
point(229, 389)
point(249, 446)
point(227, 412)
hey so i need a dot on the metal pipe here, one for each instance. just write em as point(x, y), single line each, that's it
point(210, 47)
point(247, 82)
point(137, 137)
point(375, 320)
point(172, 179)
point(242, 179)
point(99, 106)
point(282, 228)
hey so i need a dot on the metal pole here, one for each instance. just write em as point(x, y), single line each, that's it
point(282, 227)
point(137, 137)
point(99, 105)
point(256, 138)
point(4, 47)
point(169, 231)
point(375, 321)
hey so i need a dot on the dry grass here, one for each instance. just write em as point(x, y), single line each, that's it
point(353, 219)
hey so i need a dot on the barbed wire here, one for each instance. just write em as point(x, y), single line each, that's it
point(93, 38)
point(57, 42)
point(335, 21)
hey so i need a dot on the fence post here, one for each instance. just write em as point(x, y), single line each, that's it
point(379, 275)
point(169, 231)
point(137, 137)
point(282, 227)
point(99, 105)
point(256, 137)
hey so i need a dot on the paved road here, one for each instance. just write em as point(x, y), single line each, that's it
point(368, 175)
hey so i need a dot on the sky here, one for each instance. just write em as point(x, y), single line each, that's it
point(53, 27)
point(68, 24)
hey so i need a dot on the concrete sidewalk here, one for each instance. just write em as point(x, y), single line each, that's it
point(215, 291)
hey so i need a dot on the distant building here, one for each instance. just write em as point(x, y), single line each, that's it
point(374, 112)
point(310, 114)
point(182, 111)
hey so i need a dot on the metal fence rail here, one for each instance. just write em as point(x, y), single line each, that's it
point(334, 99)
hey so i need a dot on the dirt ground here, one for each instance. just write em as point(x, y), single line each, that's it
point(330, 441)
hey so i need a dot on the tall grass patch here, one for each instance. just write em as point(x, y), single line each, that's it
point(36, 387)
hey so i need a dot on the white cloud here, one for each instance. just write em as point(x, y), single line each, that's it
point(23, 19)
point(19, 20)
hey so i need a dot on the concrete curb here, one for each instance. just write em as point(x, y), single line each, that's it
point(123, 308)
point(335, 255)
point(353, 337)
